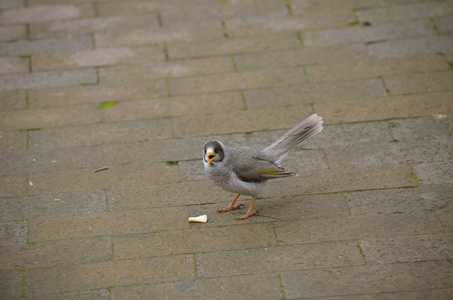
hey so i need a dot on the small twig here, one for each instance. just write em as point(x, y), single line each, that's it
point(101, 169)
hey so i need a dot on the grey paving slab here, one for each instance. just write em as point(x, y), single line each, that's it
point(105, 106)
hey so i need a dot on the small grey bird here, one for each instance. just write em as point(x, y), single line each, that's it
point(244, 171)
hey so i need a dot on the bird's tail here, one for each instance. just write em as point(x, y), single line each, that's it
point(305, 129)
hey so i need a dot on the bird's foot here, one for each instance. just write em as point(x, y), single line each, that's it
point(230, 207)
point(247, 215)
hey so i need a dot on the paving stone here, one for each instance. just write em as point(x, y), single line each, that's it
point(377, 67)
point(13, 232)
point(435, 172)
point(301, 6)
point(232, 46)
point(368, 34)
point(427, 150)
point(243, 121)
point(109, 274)
point(192, 170)
point(12, 141)
point(300, 57)
point(12, 32)
point(428, 197)
point(444, 24)
point(143, 36)
point(47, 79)
point(12, 185)
point(312, 20)
point(13, 65)
point(116, 176)
point(443, 294)
point(181, 14)
point(195, 241)
point(183, 193)
point(340, 135)
point(407, 249)
point(445, 216)
point(236, 81)
point(417, 46)
point(349, 281)
point(98, 93)
point(89, 295)
point(62, 204)
point(303, 161)
point(342, 180)
point(50, 117)
point(8, 4)
point(397, 107)
point(285, 205)
point(168, 150)
point(11, 284)
point(419, 83)
point(165, 150)
point(25, 47)
point(96, 58)
point(45, 14)
point(88, 26)
point(48, 161)
point(449, 57)
point(108, 223)
point(13, 99)
point(175, 106)
point(276, 259)
point(115, 8)
point(420, 128)
point(263, 286)
point(51, 254)
point(97, 134)
point(360, 227)
point(180, 68)
point(314, 93)
point(405, 13)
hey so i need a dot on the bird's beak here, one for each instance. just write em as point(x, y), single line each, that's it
point(210, 157)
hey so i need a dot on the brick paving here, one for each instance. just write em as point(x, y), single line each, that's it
point(139, 86)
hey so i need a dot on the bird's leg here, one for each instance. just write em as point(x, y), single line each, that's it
point(249, 213)
point(231, 207)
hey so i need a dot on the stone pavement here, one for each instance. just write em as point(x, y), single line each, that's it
point(140, 85)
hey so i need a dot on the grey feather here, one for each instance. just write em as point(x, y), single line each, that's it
point(305, 129)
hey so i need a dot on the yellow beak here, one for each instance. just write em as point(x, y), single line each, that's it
point(210, 157)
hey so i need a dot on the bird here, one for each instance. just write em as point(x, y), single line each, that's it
point(245, 171)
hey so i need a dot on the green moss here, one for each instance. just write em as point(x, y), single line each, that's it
point(196, 268)
point(412, 178)
point(299, 37)
point(288, 7)
point(171, 163)
point(281, 285)
point(354, 24)
point(107, 105)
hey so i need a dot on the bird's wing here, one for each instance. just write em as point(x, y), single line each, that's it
point(250, 166)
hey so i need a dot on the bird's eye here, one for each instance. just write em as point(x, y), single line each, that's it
point(218, 151)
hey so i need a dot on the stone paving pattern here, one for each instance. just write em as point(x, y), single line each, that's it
point(139, 86)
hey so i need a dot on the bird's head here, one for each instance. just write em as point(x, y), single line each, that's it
point(213, 152)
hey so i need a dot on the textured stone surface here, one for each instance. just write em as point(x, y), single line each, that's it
point(350, 281)
point(108, 274)
point(254, 286)
point(105, 107)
